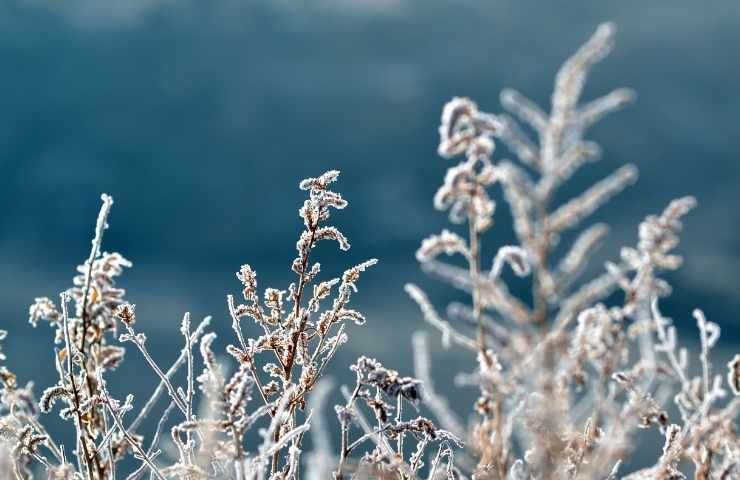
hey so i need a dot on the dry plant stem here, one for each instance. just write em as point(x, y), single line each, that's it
point(344, 449)
point(379, 440)
point(704, 357)
point(367, 436)
point(474, 266)
point(127, 436)
point(190, 379)
point(415, 462)
point(163, 378)
point(160, 427)
point(194, 337)
point(258, 383)
point(443, 326)
point(139, 472)
point(97, 242)
point(105, 441)
point(63, 381)
point(433, 400)
point(296, 334)
point(237, 446)
point(81, 436)
point(328, 357)
point(543, 249)
point(297, 308)
point(235, 325)
point(275, 461)
point(399, 410)
point(435, 462)
point(315, 355)
point(111, 461)
point(41, 460)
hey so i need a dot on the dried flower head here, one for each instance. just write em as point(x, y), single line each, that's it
point(126, 313)
point(371, 372)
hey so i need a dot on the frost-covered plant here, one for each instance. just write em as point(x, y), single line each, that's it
point(298, 332)
point(376, 386)
point(564, 380)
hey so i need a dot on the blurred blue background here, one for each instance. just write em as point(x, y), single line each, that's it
point(200, 118)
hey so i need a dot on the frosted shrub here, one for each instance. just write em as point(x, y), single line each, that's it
point(298, 331)
point(566, 382)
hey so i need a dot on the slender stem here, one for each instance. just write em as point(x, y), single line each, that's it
point(297, 307)
point(170, 388)
point(326, 359)
point(97, 241)
point(142, 454)
point(542, 244)
point(237, 329)
point(416, 459)
point(474, 268)
point(293, 347)
point(189, 394)
point(238, 447)
point(344, 449)
point(75, 395)
point(704, 357)
point(139, 472)
point(111, 460)
point(275, 456)
point(235, 322)
point(435, 462)
point(175, 366)
point(399, 407)
point(63, 381)
point(367, 436)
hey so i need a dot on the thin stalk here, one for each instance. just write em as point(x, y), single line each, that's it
point(344, 449)
point(142, 454)
point(164, 379)
point(297, 307)
point(399, 410)
point(97, 241)
point(474, 269)
point(160, 388)
point(75, 395)
point(288, 370)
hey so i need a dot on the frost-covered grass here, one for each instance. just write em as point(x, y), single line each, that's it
point(566, 381)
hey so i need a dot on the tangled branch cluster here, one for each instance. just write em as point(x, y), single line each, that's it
point(565, 381)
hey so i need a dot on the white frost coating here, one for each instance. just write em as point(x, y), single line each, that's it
point(516, 257)
point(584, 205)
point(445, 242)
